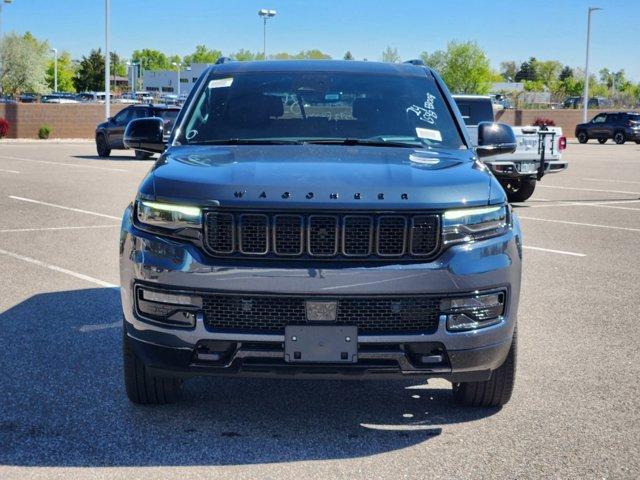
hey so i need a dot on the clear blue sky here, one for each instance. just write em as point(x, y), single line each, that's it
point(505, 29)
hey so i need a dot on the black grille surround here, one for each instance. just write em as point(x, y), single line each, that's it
point(322, 235)
point(272, 313)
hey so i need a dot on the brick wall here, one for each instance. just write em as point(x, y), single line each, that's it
point(566, 119)
point(80, 120)
point(65, 120)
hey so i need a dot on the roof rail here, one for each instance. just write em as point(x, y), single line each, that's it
point(416, 61)
point(222, 60)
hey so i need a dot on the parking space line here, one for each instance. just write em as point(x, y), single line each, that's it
point(22, 159)
point(549, 250)
point(48, 229)
point(55, 268)
point(603, 204)
point(100, 326)
point(588, 189)
point(567, 222)
point(2, 170)
point(79, 210)
point(608, 180)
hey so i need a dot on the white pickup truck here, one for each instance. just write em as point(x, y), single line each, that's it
point(517, 172)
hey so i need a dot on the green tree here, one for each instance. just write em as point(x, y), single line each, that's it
point(313, 54)
point(391, 55)
point(202, 55)
point(548, 72)
point(508, 71)
point(66, 73)
point(90, 74)
point(348, 56)
point(567, 72)
point(150, 59)
point(528, 71)
point(24, 62)
point(463, 66)
point(243, 55)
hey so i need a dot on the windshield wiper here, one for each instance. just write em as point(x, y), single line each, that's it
point(363, 141)
point(247, 141)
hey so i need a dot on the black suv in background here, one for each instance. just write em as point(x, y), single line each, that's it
point(621, 126)
point(109, 134)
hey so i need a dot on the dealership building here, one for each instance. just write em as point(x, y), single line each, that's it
point(166, 81)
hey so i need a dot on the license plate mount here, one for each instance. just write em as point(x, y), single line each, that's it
point(528, 167)
point(321, 344)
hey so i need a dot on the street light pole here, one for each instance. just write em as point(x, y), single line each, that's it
point(265, 14)
point(107, 62)
point(585, 100)
point(177, 65)
point(55, 69)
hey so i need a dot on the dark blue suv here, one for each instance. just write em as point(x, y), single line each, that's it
point(320, 219)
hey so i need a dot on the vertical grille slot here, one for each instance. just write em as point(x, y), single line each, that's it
point(323, 235)
point(424, 234)
point(357, 235)
point(254, 234)
point(288, 234)
point(220, 232)
point(391, 235)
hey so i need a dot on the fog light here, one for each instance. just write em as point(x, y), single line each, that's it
point(471, 313)
point(175, 309)
point(171, 298)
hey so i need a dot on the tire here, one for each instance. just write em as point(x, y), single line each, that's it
point(140, 155)
point(102, 146)
point(619, 138)
point(638, 142)
point(142, 386)
point(583, 137)
point(519, 189)
point(494, 392)
point(602, 141)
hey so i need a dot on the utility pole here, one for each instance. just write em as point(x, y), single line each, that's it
point(585, 100)
point(107, 62)
point(55, 69)
point(265, 14)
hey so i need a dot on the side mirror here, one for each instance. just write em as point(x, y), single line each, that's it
point(146, 134)
point(495, 139)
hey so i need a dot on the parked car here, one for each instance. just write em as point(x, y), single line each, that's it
point(518, 172)
point(360, 242)
point(109, 134)
point(594, 102)
point(620, 126)
point(28, 97)
point(59, 97)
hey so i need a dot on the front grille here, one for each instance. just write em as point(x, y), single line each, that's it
point(294, 234)
point(273, 313)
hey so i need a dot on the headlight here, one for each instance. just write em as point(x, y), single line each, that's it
point(471, 313)
point(470, 224)
point(168, 216)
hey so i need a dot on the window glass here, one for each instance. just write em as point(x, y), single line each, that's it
point(475, 111)
point(122, 117)
point(599, 118)
point(311, 105)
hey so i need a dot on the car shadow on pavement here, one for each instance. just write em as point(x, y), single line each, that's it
point(62, 402)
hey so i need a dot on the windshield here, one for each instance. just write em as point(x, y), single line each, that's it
point(298, 107)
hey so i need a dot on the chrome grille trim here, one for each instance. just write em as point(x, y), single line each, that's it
point(312, 238)
point(345, 231)
point(274, 228)
point(412, 235)
point(209, 220)
point(380, 233)
point(242, 233)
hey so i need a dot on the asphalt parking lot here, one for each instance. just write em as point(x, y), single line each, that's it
point(63, 412)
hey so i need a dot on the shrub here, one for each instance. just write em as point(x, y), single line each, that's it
point(4, 127)
point(543, 122)
point(44, 132)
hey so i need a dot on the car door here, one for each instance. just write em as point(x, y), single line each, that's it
point(610, 124)
point(597, 129)
point(117, 124)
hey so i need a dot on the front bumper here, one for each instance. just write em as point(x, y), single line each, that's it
point(146, 259)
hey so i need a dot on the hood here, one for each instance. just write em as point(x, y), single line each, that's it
point(322, 176)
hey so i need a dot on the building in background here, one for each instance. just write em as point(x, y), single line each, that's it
point(166, 81)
